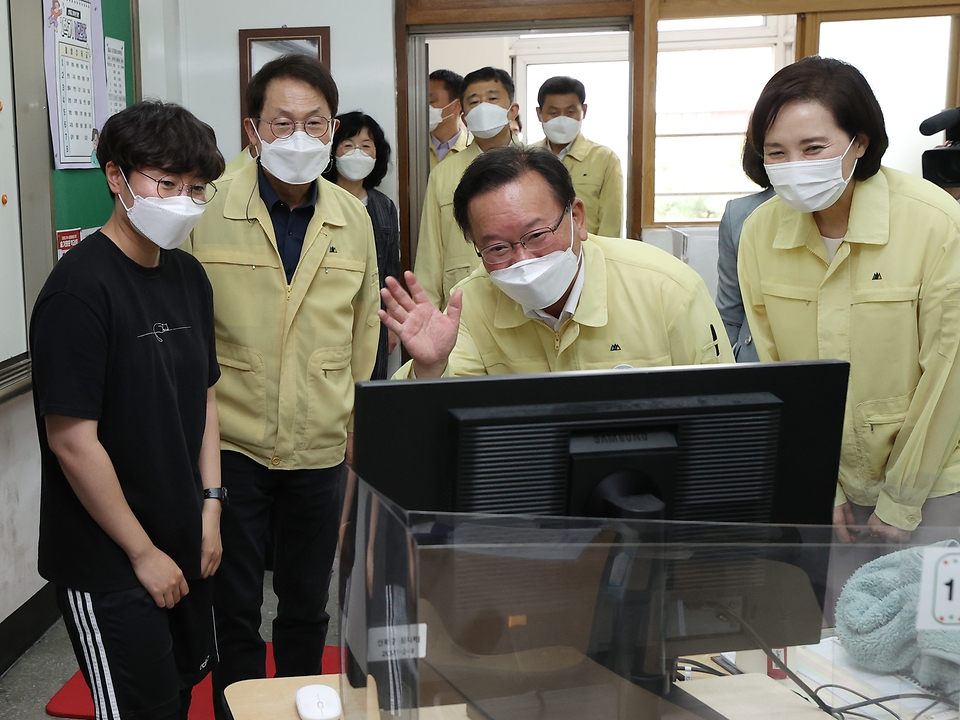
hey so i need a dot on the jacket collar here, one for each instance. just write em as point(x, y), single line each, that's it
point(869, 222)
point(243, 201)
point(592, 308)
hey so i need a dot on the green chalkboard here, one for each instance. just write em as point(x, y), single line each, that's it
point(80, 197)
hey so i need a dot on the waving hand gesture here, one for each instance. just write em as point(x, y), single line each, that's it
point(428, 334)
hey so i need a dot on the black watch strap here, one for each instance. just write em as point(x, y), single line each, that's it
point(219, 493)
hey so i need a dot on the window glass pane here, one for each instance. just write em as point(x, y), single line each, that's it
point(684, 208)
point(701, 118)
point(747, 21)
point(905, 61)
point(705, 164)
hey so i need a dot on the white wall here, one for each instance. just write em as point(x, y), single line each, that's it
point(191, 55)
point(466, 54)
point(19, 504)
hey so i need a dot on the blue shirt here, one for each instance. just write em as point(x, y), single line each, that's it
point(290, 226)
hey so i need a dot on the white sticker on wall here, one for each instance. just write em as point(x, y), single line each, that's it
point(397, 642)
point(939, 606)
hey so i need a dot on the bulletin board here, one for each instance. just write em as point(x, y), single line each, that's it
point(81, 199)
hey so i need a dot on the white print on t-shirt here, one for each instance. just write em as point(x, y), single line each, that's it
point(161, 328)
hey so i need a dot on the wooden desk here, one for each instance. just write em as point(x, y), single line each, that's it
point(275, 699)
point(737, 697)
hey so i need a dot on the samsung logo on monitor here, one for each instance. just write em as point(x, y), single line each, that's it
point(623, 440)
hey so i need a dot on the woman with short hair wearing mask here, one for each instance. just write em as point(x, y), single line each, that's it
point(124, 365)
point(859, 262)
point(361, 155)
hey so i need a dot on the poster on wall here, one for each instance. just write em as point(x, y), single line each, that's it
point(116, 76)
point(76, 78)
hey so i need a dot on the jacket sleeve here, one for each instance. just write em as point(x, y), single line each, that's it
point(931, 429)
point(611, 199)
point(366, 323)
point(428, 266)
point(729, 300)
point(696, 331)
point(754, 308)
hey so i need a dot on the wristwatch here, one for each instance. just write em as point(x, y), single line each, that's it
point(218, 493)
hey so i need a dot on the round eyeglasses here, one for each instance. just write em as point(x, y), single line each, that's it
point(534, 241)
point(169, 186)
point(284, 127)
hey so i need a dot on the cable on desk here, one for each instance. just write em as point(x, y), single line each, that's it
point(937, 700)
point(835, 712)
point(701, 667)
point(723, 610)
point(869, 701)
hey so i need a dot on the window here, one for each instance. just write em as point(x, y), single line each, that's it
point(910, 84)
point(709, 75)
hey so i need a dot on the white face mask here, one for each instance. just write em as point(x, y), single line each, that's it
point(165, 222)
point(561, 130)
point(355, 165)
point(297, 160)
point(539, 282)
point(437, 116)
point(810, 185)
point(486, 120)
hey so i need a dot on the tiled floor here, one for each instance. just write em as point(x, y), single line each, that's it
point(27, 686)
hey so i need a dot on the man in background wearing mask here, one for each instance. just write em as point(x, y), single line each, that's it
point(444, 257)
point(293, 266)
point(549, 296)
point(448, 136)
point(595, 169)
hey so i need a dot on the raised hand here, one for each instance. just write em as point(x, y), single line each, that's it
point(428, 334)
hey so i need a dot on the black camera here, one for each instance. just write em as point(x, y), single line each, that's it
point(942, 165)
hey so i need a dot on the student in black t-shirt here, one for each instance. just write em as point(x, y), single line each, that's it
point(124, 363)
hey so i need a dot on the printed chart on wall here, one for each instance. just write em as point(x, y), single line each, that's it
point(75, 66)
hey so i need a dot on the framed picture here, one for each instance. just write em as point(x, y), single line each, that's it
point(258, 47)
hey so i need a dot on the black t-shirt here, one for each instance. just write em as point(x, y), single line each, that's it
point(134, 349)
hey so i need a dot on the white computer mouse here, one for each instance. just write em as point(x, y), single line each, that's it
point(318, 702)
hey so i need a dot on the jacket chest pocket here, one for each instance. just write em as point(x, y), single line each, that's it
point(792, 314)
point(884, 323)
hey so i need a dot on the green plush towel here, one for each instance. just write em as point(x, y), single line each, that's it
point(876, 622)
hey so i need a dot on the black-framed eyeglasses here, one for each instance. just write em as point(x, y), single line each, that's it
point(534, 241)
point(284, 127)
point(169, 186)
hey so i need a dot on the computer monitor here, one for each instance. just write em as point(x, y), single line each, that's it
point(719, 448)
point(726, 443)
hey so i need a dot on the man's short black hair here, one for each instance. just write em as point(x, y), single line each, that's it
point(451, 81)
point(161, 135)
point(485, 74)
point(836, 85)
point(561, 85)
point(502, 166)
point(294, 67)
point(352, 123)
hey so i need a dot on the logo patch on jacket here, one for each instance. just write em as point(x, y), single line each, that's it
point(334, 250)
point(614, 347)
point(877, 276)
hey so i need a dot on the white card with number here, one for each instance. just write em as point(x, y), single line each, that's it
point(939, 607)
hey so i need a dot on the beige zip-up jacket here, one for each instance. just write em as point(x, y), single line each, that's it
point(889, 304)
point(289, 354)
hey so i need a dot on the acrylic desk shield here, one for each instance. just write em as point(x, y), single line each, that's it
point(522, 617)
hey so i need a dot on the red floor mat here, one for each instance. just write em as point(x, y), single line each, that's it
point(73, 700)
